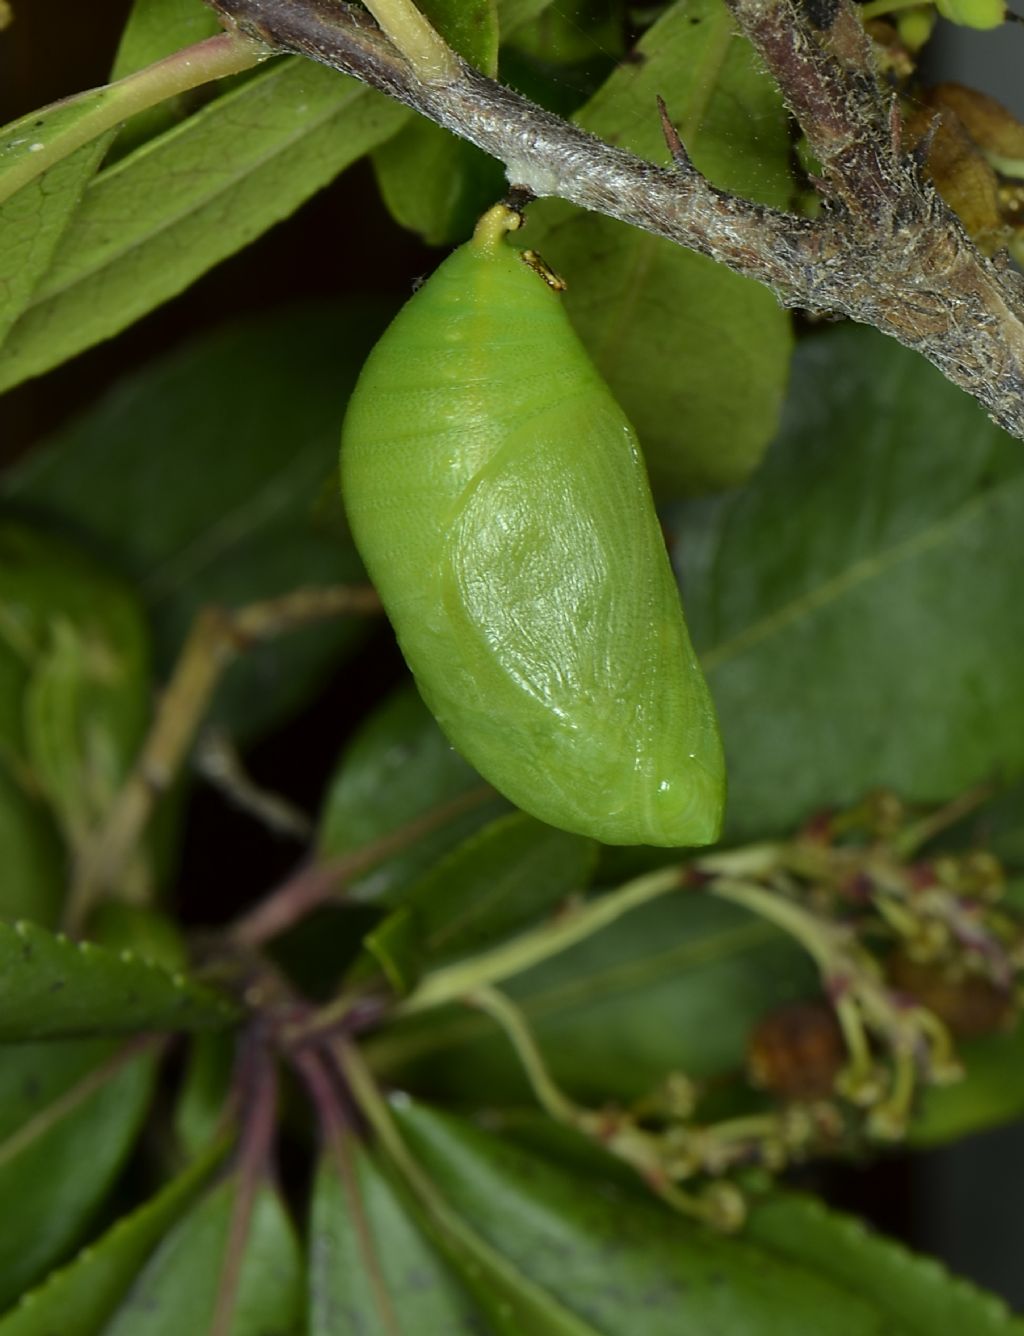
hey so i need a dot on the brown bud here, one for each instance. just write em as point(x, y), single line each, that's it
point(796, 1051)
point(969, 1004)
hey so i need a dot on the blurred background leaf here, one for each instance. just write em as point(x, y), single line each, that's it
point(370, 1268)
point(398, 767)
point(79, 1299)
point(226, 450)
point(69, 1114)
point(856, 605)
point(176, 1292)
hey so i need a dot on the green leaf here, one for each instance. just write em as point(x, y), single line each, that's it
point(674, 986)
point(33, 219)
point(371, 1271)
point(150, 225)
point(855, 607)
point(205, 1088)
point(154, 29)
point(225, 447)
point(501, 879)
point(33, 871)
point(435, 184)
point(52, 988)
point(470, 27)
point(42, 140)
point(143, 932)
point(914, 1293)
point(432, 182)
point(696, 355)
point(69, 1114)
point(399, 767)
point(991, 1093)
point(513, 13)
point(79, 1299)
point(176, 1293)
point(616, 1264)
point(74, 686)
point(62, 612)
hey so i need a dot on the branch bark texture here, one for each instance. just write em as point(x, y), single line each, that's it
point(885, 250)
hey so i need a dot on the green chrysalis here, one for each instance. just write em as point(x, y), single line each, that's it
point(498, 497)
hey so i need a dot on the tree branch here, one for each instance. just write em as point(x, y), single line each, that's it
point(886, 251)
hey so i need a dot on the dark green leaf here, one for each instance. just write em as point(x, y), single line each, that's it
point(74, 694)
point(69, 1114)
point(225, 448)
point(150, 225)
point(501, 879)
point(560, 38)
point(620, 1265)
point(399, 767)
point(371, 1271)
point(470, 27)
point(177, 1291)
point(154, 29)
point(991, 1093)
point(79, 1299)
point(513, 13)
point(675, 986)
point(205, 1087)
point(142, 932)
point(696, 355)
point(915, 1294)
point(33, 869)
point(74, 651)
point(435, 184)
point(432, 182)
point(53, 988)
point(856, 607)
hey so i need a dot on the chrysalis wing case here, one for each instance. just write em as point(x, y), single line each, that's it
point(499, 500)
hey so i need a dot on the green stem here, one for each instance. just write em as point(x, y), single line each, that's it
point(26, 154)
point(430, 57)
point(522, 953)
point(817, 940)
point(552, 1100)
point(791, 918)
